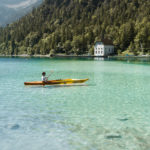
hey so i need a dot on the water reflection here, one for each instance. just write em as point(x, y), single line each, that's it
point(100, 58)
point(131, 59)
point(60, 86)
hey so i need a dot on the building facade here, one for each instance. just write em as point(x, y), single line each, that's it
point(103, 48)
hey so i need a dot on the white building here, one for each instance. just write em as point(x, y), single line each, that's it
point(103, 48)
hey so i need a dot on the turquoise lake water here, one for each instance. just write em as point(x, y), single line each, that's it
point(109, 112)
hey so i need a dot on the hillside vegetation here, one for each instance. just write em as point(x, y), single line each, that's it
point(73, 26)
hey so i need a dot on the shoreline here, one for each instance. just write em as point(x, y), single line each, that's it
point(138, 56)
point(85, 56)
point(48, 56)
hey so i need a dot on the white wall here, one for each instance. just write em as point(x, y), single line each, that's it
point(99, 50)
point(103, 50)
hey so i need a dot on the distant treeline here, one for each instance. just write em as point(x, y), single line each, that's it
point(73, 26)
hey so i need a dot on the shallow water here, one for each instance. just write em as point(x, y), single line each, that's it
point(110, 111)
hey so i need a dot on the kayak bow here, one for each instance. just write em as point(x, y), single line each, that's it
point(57, 82)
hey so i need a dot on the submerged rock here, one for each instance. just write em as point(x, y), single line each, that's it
point(123, 119)
point(113, 137)
point(15, 127)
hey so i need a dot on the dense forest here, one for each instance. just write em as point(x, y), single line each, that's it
point(73, 26)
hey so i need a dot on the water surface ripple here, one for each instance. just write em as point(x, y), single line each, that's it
point(111, 111)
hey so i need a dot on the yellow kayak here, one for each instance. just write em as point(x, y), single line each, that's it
point(55, 82)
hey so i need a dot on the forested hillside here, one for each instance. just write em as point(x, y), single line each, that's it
point(73, 26)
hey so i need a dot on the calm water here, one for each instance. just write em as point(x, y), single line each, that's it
point(110, 112)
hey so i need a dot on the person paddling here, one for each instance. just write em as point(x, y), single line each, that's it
point(44, 78)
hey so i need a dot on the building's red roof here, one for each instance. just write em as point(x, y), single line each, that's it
point(106, 42)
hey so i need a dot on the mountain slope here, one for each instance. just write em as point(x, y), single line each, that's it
point(15, 9)
point(72, 26)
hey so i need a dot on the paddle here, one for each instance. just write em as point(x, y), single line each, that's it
point(50, 74)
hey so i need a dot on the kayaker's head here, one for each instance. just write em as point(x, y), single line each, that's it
point(44, 73)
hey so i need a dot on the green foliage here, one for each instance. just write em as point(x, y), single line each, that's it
point(73, 26)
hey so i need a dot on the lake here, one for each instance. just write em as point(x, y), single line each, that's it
point(109, 112)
